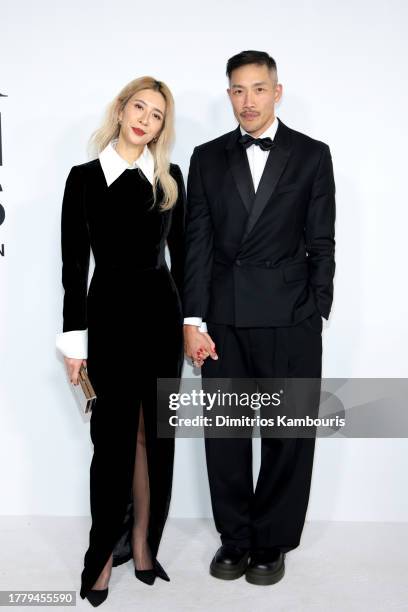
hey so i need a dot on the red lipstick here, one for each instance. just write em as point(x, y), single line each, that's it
point(138, 131)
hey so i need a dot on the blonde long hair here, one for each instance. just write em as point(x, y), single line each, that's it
point(160, 149)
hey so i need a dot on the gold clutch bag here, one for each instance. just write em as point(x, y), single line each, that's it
point(84, 391)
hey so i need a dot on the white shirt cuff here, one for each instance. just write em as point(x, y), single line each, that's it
point(196, 321)
point(73, 344)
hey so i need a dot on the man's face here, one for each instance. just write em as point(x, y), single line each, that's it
point(253, 93)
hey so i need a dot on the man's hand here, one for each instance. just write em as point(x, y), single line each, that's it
point(198, 345)
point(73, 365)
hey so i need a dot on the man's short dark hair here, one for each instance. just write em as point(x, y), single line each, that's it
point(251, 57)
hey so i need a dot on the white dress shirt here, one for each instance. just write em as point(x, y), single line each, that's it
point(257, 160)
point(75, 343)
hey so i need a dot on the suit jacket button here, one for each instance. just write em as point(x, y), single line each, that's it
point(238, 262)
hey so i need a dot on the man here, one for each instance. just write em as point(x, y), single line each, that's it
point(258, 279)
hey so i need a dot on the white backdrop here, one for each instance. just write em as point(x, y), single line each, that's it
point(343, 70)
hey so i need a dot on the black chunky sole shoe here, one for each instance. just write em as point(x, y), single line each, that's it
point(264, 570)
point(229, 562)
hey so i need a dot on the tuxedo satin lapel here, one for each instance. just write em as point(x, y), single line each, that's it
point(239, 166)
point(275, 165)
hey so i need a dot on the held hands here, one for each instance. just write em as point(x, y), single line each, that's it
point(73, 365)
point(198, 345)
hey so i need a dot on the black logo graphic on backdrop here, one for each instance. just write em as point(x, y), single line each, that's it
point(2, 209)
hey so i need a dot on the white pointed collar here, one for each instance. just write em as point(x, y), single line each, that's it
point(270, 131)
point(113, 165)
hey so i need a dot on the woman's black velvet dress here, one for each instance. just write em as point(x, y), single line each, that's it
point(134, 319)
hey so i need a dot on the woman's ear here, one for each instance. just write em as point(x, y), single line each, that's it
point(120, 113)
point(156, 138)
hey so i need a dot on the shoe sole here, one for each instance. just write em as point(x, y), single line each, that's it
point(223, 574)
point(259, 578)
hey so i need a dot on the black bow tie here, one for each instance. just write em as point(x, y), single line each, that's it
point(265, 143)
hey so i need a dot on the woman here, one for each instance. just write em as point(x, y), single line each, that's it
point(127, 329)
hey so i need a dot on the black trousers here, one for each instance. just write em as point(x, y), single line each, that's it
point(272, 514)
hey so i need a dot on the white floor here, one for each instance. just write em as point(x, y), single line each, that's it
point(337, 567)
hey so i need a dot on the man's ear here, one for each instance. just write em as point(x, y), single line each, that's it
point(278, 92)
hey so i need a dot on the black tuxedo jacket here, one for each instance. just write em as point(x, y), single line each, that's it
point(264, 259)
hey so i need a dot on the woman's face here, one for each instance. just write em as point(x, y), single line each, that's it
point(142, 117)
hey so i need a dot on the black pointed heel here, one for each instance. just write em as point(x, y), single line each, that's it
point(160, 571)
point(148, 576)
point(97, 596)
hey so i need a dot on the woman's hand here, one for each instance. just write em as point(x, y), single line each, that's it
point(73, 366)
point(198, 345)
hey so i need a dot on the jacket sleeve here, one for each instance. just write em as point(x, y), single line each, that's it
point(199, 245)
point(175, 237)
point(319, 234)
point(75, 250)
